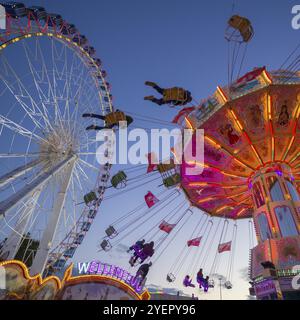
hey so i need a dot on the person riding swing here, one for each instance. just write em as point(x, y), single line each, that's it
point(112, 120)
point(174, 96)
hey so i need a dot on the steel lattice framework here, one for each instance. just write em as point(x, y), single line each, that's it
point(74, 83)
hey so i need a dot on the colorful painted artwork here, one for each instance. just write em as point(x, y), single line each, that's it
point(244, 134)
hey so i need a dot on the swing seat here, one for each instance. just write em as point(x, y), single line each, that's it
point(90, 198)
point(105, 245)
point(111, 232)
point(175, 94)
point(165, 167)
point(119, 180)
point(114, 118)
point(243, 26)
point(211, 283)
point(172, 181)
point(228, 285)
point(170, 277)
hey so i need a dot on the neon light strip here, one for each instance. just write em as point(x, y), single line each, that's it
point(295, 158)
point(222, 198)
point(54, 35)
point(246, 135)
point(189, 123)
point(226, 151)
point(222, 208)
point(267, 77)
point(296, 117)
point(269, 109)
point(175, 156)
point(206, 166)
point(297, 166)
point(289, 147)
point(237, 195)
point(241, 212)
point(205, 200)
point(204, 184)
point(222, 94)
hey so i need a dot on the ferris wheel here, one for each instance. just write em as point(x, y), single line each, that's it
point(50, 182)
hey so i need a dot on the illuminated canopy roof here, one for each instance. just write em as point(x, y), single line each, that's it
point(251, 124)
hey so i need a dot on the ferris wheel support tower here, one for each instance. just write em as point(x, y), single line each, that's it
point(45, 244)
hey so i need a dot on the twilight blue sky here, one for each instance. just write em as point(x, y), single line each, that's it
point(172, 42)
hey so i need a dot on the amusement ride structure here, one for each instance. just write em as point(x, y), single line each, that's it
point(50, 77)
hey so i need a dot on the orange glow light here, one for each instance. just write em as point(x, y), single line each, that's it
point(269, 107)
point(266, 77)
point(289, 147)
point(222, 94)
point(236, 120)
point(189, 123)
point(221, 209)
point(241, 212)
point(204, 200)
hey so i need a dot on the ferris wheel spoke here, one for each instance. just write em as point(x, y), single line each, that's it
point(51, 82)
point(78, 180)
point(25, 208)
point(91, 142)
point(38, 79)
point(69, 77)
point(57, 75)
point(14, 137)
point(79, 168)
point(23, 224)
point(19, 155)
point(79, 96)
point(84, 154)
point(18, 89)
point(19, 129)
point(10, 217)
point(89, 165)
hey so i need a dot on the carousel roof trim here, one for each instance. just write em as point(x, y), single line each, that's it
point(224, 95)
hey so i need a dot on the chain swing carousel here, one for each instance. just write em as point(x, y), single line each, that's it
point(251, 170)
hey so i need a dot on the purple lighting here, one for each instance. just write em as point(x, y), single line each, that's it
point(279, 173)
point(104, 269)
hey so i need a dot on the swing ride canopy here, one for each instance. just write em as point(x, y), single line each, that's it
point(247, 125)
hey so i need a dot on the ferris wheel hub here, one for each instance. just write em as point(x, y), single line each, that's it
point(60, 142)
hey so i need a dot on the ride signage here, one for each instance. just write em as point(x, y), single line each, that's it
point(117, 273)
